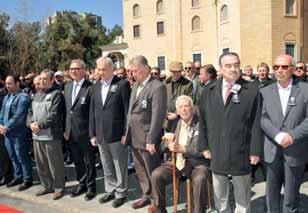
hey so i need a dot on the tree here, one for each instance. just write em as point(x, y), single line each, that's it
point(4, 61)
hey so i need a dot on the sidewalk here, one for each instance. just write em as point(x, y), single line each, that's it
point(25, 200)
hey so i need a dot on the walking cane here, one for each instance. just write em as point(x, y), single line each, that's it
point(174, 183)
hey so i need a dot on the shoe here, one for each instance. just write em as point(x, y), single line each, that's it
point(141, 203)
point(14, 182)
point(106, 198)
point(80, 190)
point(5, 181)
point(118, 202)
point(68, 162)
point(57, 195)
point(25, 185)
point(89, 195)
point(44, 192)
point(154, 209)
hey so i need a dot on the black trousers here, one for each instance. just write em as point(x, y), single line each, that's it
point(162, 176)
point(6, 169)
point(280, 173)
point(84, 159)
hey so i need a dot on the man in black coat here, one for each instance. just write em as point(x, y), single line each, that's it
point(77, 96)
point(230, 111)
point(109, 106)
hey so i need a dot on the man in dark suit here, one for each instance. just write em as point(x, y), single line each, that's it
point(147, 110)
point(230, 111)
point(285, 123)
point(77, 96)
point(190, 161)
point(109, 106)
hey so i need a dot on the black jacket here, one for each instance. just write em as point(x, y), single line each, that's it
point(231, 132)
point(108, 121)
point(77, 113)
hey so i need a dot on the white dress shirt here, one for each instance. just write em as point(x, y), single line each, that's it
point(142, 85)
point(225, 85)
point(105, 88)
point(76, 87)
point(284, 95)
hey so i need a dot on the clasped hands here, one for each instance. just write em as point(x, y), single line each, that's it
point(286, 141)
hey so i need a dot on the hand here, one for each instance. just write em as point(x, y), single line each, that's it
point(150, 148)
point(286, 141)
point(175, 147)
point(35, 128)
point(254, 159)
point(207, 154)
point(66, 136)
point(171, 116)
point(168, 137)
point(123, 140)
point(3, 130)
point(93, 141)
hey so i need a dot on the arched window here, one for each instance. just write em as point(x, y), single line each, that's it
point(195, 3)
point(136, 10)
point(195, 23)
point(159, 6)
point(224, 13)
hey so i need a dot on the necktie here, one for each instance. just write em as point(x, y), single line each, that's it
point(180, 161)
point(227, 93)
point(139, 89)
point(74, 94)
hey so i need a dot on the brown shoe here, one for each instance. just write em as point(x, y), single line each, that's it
point(141, 203)
point(154, 209)
point(44, 192)
point(58, 195)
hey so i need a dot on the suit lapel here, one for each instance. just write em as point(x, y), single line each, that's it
point(109, 94)
point(143, 91)
point(79, 93)
point(294, 91)
point(276, 99)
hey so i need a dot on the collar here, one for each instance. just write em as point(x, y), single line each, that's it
point(286, 88)
point(188, 123)
point(107, 83)
point(145, 81)
point(80, 82)
point(225, 83)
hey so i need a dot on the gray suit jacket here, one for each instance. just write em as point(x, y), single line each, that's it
point(295, 122)
point(146, 114)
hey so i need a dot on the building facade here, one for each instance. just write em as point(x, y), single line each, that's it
point(200, 30)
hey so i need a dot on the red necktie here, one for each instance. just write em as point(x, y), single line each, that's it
point(228, 91)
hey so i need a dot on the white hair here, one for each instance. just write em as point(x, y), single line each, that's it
point(183, 98)
point(107, 61)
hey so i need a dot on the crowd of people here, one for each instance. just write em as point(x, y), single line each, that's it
point(199, 123)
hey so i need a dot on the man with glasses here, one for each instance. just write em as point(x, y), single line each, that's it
point(155, 72)
point(77, 96)
point(285, 124)
point(300, 71)
point(197, 65)
point(191, 74)
point(176, 85)
point(230, 111)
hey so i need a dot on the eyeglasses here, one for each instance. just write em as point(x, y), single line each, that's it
point(188, 68)
point(73, 69)
point(299, 68)
point(284, 67)
point(154, 73)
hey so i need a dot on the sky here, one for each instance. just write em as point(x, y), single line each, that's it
point(39, 10)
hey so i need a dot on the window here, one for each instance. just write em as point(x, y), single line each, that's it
point(197, 57)
point(195, 3)
point(225, 50)
point(224, 13)
point(160, 28)
point(136, 31)
point(195, 23)
point(136, 10)
point(290, 7)
point(159, 6)
point(161, 62)
point(290, 49)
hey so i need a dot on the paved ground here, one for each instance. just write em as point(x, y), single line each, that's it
point(27, 202)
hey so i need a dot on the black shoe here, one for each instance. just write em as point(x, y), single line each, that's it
point(106, 198)
point(5, 181)
point(25, 185)
point(14, 182)
point(118, 202)
point(89, 195)
point(80, 190)
point(68, 162)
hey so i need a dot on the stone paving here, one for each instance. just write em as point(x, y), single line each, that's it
point(29, 203)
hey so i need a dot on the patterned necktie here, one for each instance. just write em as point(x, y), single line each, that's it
point(228, 91)
point(139, 89)
point(180, 161)
point(74, 94)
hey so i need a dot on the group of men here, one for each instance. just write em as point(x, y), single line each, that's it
point(215, 127)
